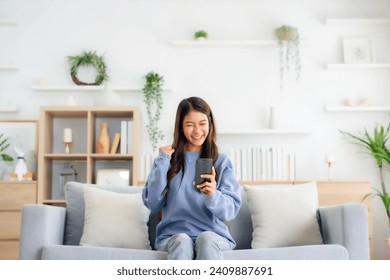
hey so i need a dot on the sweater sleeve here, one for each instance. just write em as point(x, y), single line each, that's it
point(226, 201)
point(154, 192)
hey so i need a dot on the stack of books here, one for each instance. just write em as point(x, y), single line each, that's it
point(263, 164)
point(123, 140)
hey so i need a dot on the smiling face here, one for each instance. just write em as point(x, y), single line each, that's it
point(196, 129)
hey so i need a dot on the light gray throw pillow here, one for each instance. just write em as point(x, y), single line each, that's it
point(284, 215)
point(75, 208)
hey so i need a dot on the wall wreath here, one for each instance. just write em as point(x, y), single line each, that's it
point(88, 58)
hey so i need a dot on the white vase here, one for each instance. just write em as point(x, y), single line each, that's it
point(272, 118)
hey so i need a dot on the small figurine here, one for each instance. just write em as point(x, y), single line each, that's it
point(21, 167)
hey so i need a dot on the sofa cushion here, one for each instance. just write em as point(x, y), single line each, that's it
point(115, 220)
point(284, 215)
point(75, 208)
point(241, 226)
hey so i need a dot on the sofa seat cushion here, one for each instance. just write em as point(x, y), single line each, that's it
point(309, 252)
point(63, 252)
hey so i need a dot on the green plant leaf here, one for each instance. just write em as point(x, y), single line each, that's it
point(376, 146)
point(4, 145)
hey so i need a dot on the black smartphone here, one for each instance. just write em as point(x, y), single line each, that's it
point(203, 166)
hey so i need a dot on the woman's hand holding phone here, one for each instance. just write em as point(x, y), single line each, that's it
point(209, 186)
point(205, 176)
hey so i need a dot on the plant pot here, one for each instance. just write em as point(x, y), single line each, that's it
point(287, 33)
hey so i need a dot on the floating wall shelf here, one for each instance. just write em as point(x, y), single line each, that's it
point(67, 88)
point(8, 22)
point(357, 21)
point(357, 108)
point(8, 68)
point(264, 131)
point(229, 43)
point(134, 89)
point(8, 109)
point(359, 66)
point(225, 43)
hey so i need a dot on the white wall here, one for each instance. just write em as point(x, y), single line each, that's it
point(239, 83)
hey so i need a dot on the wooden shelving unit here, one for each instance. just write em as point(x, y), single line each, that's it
point(85, 124)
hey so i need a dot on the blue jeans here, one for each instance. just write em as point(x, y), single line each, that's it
point(207, 246)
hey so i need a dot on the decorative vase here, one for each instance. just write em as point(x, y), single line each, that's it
point(103, 144)
point(272, 119)
point(21, 167)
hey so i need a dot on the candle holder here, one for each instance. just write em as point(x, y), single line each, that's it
point(67, 147)
point(329, 160)
point(330, 167)
point(67, 139)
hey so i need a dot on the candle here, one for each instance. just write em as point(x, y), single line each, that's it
point(67, 135)
point(329, 158)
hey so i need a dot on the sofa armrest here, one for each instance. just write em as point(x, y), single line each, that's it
point(346, 225)
point(41, 225)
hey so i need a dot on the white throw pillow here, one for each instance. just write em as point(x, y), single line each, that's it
point(284, 215)
point(115, 220)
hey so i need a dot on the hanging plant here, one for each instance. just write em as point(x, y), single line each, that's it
point(4, 145)
point(153, 100)
point(88, 58)
point(288, 40)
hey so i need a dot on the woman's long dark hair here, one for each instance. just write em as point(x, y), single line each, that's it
point(209, 147)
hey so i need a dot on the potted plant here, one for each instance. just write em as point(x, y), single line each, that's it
point(289, 55)
point(4, 144)
point(153, 100)
point(377, 146)
point(200, 35)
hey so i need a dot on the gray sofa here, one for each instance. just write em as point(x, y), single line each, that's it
point(45, 234)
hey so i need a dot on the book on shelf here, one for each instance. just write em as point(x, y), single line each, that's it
point(123, 142)
point(130, 135)
point(126, 136)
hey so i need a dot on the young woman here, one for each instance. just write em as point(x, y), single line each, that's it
point(192, 225)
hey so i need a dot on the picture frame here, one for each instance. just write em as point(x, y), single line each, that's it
point(113, 177)
point(358, 50)
point(21, 134)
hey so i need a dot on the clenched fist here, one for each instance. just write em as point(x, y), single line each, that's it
point(168, 150)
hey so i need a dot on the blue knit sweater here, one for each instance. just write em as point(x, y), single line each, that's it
point(184, 208)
